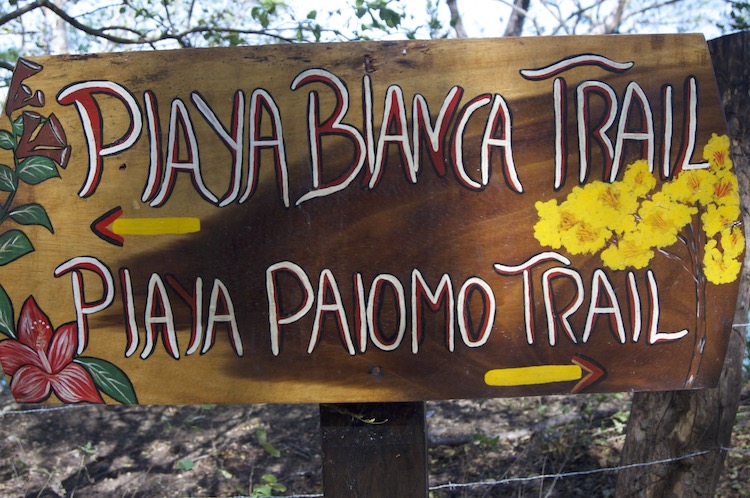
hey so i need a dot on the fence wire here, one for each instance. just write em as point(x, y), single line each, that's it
point(452, 485)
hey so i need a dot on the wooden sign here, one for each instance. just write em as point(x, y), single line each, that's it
point(367, 222)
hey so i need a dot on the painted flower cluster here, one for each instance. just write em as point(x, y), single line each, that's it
point(631, 220)
point(38, 145)
point(41, 360)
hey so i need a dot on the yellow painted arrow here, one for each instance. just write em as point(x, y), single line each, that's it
point(111, 227)
point(524, 376)
point(583, 369)
point(156, 226)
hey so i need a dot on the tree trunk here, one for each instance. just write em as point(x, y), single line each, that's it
point(675, 424)
point(517, 18)
point(456, 21)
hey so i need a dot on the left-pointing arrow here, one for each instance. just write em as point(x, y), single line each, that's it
point(111, 227)
point(583, 369)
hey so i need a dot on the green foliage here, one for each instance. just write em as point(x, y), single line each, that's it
point(87, 449)
point(269, 486)
point(186, 464)
point(262, 436)
point(739, 16)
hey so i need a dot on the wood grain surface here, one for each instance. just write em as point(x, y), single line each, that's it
point(249, 264)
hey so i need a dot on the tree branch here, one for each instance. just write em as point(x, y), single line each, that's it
point(456, 21)
point(19, 12)
point(139, 38)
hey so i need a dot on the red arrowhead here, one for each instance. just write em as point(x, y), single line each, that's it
point(595, 373)
point(101, 227)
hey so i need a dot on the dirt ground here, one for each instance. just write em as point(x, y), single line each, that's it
point(274, 450)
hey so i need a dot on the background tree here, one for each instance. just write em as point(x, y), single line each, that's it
point(35, 27)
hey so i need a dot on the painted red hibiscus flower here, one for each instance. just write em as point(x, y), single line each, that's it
point(41, 361)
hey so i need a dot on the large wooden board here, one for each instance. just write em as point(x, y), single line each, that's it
point(367, 222)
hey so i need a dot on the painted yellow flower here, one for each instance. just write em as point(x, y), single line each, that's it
point(718, 267)
point(638, 179)
point(630, 251)
point(719, 217)
point(733, 241)
point(725, 188)
point(547, 229)
point(661, 219)
point(716, 152)
point(691, 186)
point(607, 205)
point(584, 238)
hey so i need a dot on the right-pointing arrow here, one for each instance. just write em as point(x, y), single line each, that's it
point(583, 369)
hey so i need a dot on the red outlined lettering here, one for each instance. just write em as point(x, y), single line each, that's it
point(689, 128)
point(667, 130)
point(433, 136)
point(600, 282)
point(232, 138)
point(457, 148)
point(528, 292)
point(83, 308)
point(634, 305)
point(191, 165)
point(260, 100)
point(159, 315)
point(195, 301)
point(131, 326)
point(499, 117)
point(360, 312)
point(155, 165)
point(560, 101)
point(634, 93)
point(394, 118)
point(654, 336)
point(553, 316)
point(276, 315)
point(375, 302)
point(327, 285)
point(464, 314)
point(83, 96)
point(598, 132)
point(331, 126)
point(442, 297)
point(220, 294)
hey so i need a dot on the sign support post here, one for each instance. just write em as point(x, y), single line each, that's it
point(374, 450)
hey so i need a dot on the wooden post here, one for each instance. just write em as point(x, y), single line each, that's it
point(374, 450)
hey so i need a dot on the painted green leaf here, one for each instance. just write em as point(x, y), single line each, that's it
point(13, 245)
point(109, 379)
point(8, 179)
point(31, 214)
point(36, 169)
point(7, 326)
point(18, 126)
point(7, 140)
point(186, 464)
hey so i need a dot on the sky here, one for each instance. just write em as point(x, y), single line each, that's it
point(487, 18)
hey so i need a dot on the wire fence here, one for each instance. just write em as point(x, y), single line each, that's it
point(451, 485)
